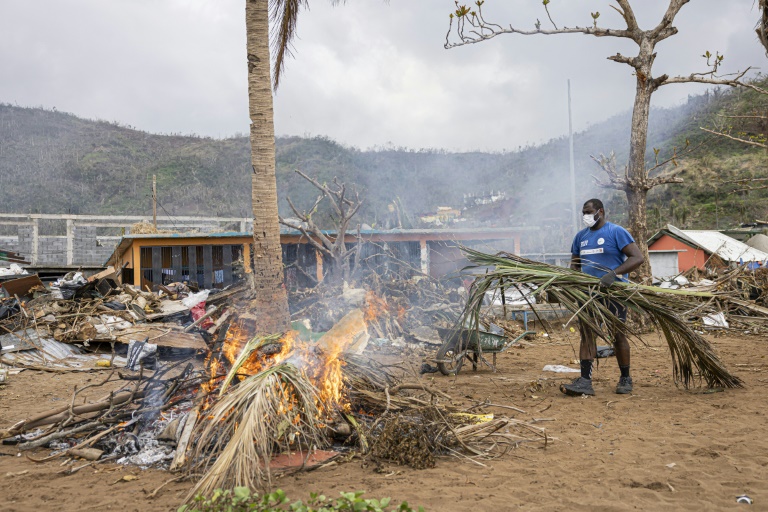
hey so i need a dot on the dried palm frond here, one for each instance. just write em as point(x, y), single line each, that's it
point(415, 437)
point(245, 354)
point(581, 294)
point(365, 373)
point(272, 412)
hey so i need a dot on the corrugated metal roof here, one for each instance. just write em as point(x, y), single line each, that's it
point(727, 248)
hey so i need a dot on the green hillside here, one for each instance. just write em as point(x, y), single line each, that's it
point(54, 162)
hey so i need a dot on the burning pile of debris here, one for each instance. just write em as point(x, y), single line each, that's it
point(258, 405)
point(395, 309)
point(286, 402)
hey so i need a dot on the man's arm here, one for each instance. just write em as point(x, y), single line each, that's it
point(634, 259)
point(575, 263)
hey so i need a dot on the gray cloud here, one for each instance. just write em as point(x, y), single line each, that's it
point(367, 73)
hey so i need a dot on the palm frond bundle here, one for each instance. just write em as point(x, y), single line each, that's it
point(363, 373)
point(414, 437)
point(274, 411)
point(581, 294)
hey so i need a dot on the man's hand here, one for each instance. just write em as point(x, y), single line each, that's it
point(608, 279)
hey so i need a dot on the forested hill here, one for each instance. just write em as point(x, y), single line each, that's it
point(54, 162)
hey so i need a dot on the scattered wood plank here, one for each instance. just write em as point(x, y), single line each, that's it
point(750, 306)
point(181, 449)
point(211, 310)
point(162, 335)
point(22, 285)
point(168, 308)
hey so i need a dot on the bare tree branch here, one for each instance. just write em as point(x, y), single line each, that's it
point(665, 29)
point(629, 15)
point(688, 149)
point(306, 218)
point(730, 82)
point(745, 141)
point(608, 166)
point(471, 28)
point(345, 208)
point(663, 180)
point(632, 61)
point(317, 245)
point(727, 116)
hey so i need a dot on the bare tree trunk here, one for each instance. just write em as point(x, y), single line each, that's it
point(268, 308)
point(637, 178)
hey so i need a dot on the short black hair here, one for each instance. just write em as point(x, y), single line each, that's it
point(596, 204)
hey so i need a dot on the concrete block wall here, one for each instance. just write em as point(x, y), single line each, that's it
point(52, 250)
point(85, 250)
point(88, 248)
point(9, 243)
point(97, 255)
point(24, 246)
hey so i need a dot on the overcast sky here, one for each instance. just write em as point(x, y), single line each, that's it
point(368, 73)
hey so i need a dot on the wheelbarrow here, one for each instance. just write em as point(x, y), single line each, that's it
point(460, 344)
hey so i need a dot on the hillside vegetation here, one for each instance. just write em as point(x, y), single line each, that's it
point(54, 162)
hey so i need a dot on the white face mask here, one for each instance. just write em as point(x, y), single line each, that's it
point(590, 219)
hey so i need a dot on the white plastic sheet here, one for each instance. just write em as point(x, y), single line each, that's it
point(13, 270)
point(559, 368)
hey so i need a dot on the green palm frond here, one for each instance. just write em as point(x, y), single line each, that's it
point(580, 294)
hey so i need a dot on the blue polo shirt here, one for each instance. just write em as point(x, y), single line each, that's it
point(600, 250)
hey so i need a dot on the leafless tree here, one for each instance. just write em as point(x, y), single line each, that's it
point(762, 24)
point(330, 243)
point(758, 136)
point(468, 26)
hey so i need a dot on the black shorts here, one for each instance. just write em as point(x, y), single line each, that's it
point(616, 308)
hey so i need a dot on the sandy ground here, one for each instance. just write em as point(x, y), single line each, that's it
point(661, 448)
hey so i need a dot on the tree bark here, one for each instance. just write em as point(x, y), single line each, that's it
point(268, 308)
point(637, 179)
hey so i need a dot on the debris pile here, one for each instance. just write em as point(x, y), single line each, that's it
point(86, 313)
point(735, 298)
point(138, 420)
point(395, 309)
point(254, 405)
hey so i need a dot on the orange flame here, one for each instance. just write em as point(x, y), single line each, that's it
point(321, 366)
point(375, 307)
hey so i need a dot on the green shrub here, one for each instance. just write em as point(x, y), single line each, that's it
point(241, 499)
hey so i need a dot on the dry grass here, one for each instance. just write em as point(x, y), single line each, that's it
point(145, 228)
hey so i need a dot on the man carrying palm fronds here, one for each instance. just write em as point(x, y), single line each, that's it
point(609, 252)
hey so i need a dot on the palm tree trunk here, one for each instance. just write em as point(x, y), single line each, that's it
point(268, 308)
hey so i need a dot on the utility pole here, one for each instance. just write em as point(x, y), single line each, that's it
point(574, 213)
point(154, 200)
point(717, 207)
